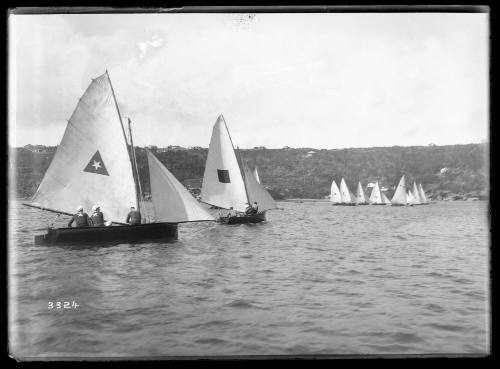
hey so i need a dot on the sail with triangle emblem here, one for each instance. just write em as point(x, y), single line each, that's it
point(96, 165)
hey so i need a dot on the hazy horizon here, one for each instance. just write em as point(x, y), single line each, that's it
point(326, 80)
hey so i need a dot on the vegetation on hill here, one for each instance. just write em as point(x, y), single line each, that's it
point(444, 171)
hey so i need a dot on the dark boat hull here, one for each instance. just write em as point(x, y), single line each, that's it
point(257, 218)
point(123, 233)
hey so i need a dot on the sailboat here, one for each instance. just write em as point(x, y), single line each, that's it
point(360, 196)
point(345, 194)
point(400, 198)
point(256, 174)
point(335, 197)
point(226, 185)
point(376, 196)
point(410, 200)
point(415, 195)
point(423, 198)
point(94, 164)
point(385, 200)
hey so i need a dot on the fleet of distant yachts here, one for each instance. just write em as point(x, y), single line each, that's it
point(402, 196)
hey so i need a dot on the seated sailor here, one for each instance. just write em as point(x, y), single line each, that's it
point(249, 210)
point(255, 207)
point(97, 216)
point(133, 217)
point(81, 219)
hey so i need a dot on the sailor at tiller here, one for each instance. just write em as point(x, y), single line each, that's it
point(133, 217)
point(81, 219)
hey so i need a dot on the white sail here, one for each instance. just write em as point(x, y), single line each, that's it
point(385, 200)
point(92, 163)
point(409, 198)
point(416, 195)
point(223, 184)
point(345, 194)
point(423, 198)
point(172, 202)
point(256, 174)
point(360, 195)
point(399, 197)
point(335, 194)
point(376, 196)
point(256, 192)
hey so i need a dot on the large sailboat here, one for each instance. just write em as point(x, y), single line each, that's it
point(360, 196)
point(335, 197)
point(94, 164)
point(345, 194)
point(400, 198)
point(376, 196)
point(226, 185)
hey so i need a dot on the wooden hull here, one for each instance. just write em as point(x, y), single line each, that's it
point(257, 218)
point(124, 233)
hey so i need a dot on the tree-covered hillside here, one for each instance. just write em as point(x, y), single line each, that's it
point(444, 171)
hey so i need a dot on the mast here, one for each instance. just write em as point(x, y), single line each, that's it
point(135, 167)
point(124, 135)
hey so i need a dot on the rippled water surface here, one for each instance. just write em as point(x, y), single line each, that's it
point(314, 279)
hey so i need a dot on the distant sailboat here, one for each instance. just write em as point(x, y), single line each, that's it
point(410, 200)
point(399, 198)
point(360, 196)
point(227, 186)
point(385, 200)
point(416, 195)
point(345, 194)
point(256, 174)
point(376, 196)
point(94, 164)
point(423, 198)
point(335, 197)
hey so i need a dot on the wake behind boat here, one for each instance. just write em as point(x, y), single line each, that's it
point(94, 164)
point(228, 186)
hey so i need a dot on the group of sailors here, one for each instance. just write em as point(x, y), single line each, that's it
point(82, 219)
point(249, 210)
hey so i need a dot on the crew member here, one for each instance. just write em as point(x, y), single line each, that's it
point(255, 207)
point(81, 219)
point(134, 216)
point(97, 216)
point(249, 210)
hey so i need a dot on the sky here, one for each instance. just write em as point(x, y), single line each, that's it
point(319, 80)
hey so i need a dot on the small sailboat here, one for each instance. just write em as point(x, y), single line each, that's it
point(345, 194)
point(94, 164)
point(399, 198)
point(335, 197)
point(360, 196)
point(226, 185)
point(416, 195)
point(410, 200)
point(256, 174)
point(376, 196)
point(385, 200)
point(423, 198)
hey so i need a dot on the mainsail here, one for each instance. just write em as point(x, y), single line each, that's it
point(423, 198)
point(409, 198)
point(256, 174)
point(360, 195)
point(399, 197)
point(223, 184)
point(256, 193)
point(345, 194)
point(335, 193)
point(376, 196)
point(172, 202)
point(92, 163)
point(385, 200)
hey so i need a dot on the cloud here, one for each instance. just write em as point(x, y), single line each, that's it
point(144, 46)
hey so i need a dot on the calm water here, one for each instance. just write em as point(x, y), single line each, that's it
point(314, 279)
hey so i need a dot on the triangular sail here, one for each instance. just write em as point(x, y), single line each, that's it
point(423, 198)
point(409, 198)
point(376, 196)
point(92, 163)
point(399, 197)
point(172, 202)
point(345, 194)
point(223, 184)
point(385, 200)
point(256, 192)
point(360, 195)
point(256, 174)
point(335, 194)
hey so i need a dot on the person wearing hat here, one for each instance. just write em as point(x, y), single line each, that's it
point(81, 218)
point(97, 216)
point(133, 217)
